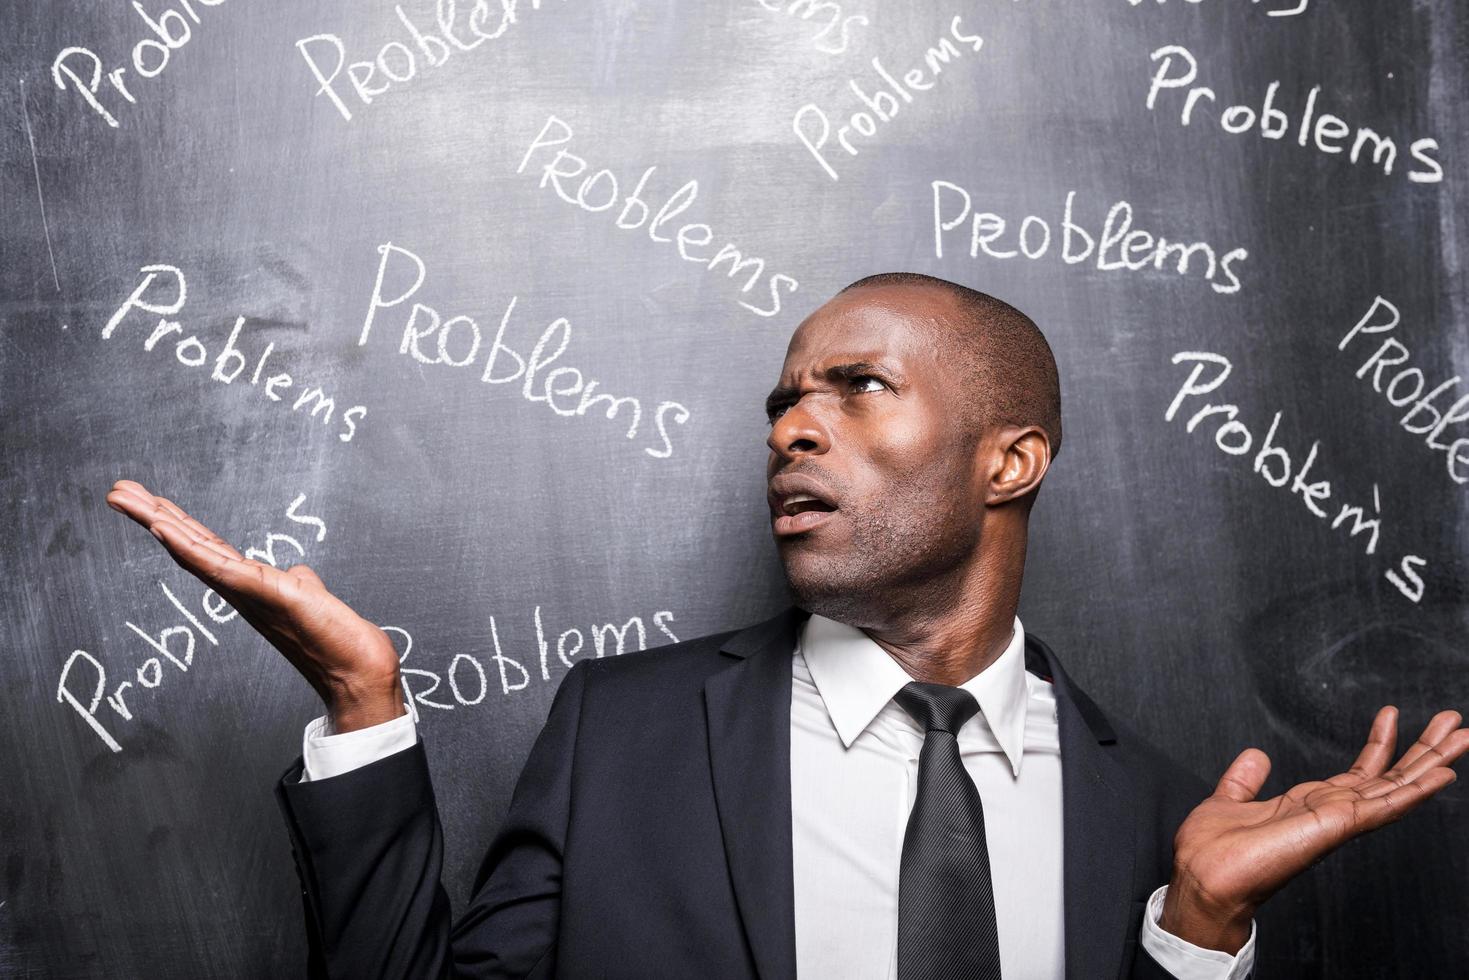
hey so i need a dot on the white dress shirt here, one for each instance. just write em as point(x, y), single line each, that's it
point(854, 773)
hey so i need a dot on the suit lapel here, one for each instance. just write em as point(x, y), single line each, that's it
point(1098, 847)
point(748, 707)
point(748, 710)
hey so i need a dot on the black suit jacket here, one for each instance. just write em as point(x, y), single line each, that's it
point(649, 834)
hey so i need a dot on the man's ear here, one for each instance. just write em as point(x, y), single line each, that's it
point(1018, 460)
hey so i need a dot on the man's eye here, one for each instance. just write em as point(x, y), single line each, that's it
point(775, 414)
point(863, 379)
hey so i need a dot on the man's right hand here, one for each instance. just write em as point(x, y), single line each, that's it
point(350, 662)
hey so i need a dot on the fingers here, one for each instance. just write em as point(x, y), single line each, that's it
point(1425, 761)
point(231, 577)
point(1241, 782)
point(205, 562)
point(196, 532)
point(131, 485)
point(134, 500)
point(1381, 742)
point(1397, 800)
point(1439, 727)
point(205, 554)
point(200, 531)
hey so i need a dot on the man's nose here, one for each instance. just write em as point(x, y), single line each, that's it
point(797, 432)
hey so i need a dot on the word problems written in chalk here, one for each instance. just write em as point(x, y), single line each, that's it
point(1405, 388)
point(1116, 245)
point(1273, 462)
point(1178, 68)
point(469, 682)
point(457, 341)
point(176, 643)
point(163, 291)
point(836, 35)
point(171, 30)
point(812, 124)
point(398, 63)
point(601, 191)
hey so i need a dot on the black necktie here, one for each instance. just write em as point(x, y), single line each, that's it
point(946, 903)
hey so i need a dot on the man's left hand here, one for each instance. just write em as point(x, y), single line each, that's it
point(1234, 851)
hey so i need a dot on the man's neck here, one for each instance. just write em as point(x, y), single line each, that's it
point(951, 650)
point(948, 628)
point(956, 628)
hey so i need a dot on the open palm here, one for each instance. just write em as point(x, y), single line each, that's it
point(348, 660)
point(1235, 851)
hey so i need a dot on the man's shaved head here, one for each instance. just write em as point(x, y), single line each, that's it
point(911, 427)
point(1007, 356)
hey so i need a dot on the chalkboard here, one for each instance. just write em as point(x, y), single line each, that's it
point(473, 308)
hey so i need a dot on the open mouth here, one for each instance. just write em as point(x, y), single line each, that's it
point(800, 513)
point(801, 503)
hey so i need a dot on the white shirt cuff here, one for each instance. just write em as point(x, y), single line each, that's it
point(1183, 959)
point(325, 754)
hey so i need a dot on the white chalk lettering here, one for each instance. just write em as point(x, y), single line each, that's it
point(468, 674)
point(567, 391)
point(1436, 414)
point(1283, 8)
point(1272, 462)
point(175, 643)
point(1115, 246)
point(877, 99)
point(170, 30)
point(417, 51)
point(1177, 71)
point(599, 192)
point(89, 712)
point(844, 25)
point(163, 291)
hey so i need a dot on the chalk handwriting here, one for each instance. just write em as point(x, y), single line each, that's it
point(25, 113)
point(163, 291)
point(83, 684)
point(601, 191)
point(824, 40)
point(1288, 8)
point(1116, 246)
point(469, 677)
point(1177, 69)
point(398, 63)
point(1405, 388)
point(1272, 461)
point(81, 68)
point(812, 125)
point(457, 342)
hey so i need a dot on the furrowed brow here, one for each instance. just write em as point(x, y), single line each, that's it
point(783, 396)
point(856, 369)
point(846, 372)
point(779, 397)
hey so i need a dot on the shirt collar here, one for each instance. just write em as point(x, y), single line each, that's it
point(856, 679)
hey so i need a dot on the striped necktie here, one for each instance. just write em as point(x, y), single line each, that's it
point(946, 902)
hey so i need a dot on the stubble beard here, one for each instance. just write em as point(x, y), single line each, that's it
point(896, 560)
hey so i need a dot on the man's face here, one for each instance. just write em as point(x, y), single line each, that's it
point(868, 419)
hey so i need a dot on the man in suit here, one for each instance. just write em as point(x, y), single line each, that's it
point(892, 778)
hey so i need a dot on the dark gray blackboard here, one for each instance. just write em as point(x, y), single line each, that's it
point(1207, 606)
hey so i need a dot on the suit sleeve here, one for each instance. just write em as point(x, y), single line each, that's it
point(368, 846)
point(1159, 954)
point(324, 753)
